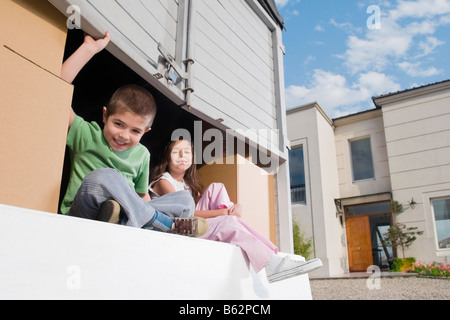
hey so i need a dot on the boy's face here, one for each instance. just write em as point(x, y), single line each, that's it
point(123, 130)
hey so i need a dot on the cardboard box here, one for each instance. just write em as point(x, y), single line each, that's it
point(34, 110)
point(35, 104)
point(248, 185)
point(34, 29)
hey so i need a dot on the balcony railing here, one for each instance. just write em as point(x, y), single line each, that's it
point(298, 194)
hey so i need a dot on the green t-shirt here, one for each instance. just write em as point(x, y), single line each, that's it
point(90, 151)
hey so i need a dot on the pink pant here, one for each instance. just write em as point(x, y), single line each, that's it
point(215, 197)
point(231, 229)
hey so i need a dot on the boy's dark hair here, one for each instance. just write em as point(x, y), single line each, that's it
point(135, 99)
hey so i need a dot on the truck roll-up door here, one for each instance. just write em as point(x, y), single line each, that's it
point(219, 59)
point(236, 70)
point(140, 30)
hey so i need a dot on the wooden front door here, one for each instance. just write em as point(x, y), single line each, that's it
point(359, 243)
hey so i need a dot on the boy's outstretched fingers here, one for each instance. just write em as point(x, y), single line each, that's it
point(99, 44)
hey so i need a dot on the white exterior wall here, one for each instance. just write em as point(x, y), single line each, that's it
point(418, 145)
point(369, 124)
point(310, 127)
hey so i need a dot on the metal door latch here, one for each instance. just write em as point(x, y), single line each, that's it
point(166, 64)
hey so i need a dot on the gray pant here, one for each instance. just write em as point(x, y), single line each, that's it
point(108, 184)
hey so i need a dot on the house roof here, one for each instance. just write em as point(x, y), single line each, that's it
point(379, 100)
point(355, 114)
point(271, 9)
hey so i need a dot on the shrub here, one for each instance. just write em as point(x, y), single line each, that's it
point(433, 269)
point(401, 236)
point(302, 246)
point(404, 264)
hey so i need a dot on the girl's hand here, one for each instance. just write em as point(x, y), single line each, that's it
point(95, 46)
point(235, 210)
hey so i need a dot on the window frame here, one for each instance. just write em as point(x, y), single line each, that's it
point(434, 221)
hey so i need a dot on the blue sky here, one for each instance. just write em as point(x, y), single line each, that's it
point(337, 55)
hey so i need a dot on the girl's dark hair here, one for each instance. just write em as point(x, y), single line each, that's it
point(190, 177)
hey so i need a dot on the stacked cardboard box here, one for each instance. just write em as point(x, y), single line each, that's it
point(248, 185)
point(34, 105)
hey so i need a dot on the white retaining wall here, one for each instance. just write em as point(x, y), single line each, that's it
point(48, 256)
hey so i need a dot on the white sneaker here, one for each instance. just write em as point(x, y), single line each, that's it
point(282, 268)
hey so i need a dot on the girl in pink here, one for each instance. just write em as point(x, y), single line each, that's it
point(176, 172)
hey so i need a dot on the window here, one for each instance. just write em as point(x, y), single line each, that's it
point(441, 208)
point(362, 162)
point(297, 175)
point(368, 208)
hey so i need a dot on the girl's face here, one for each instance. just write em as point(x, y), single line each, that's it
point(180, 157)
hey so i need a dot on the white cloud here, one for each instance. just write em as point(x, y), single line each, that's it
point(399, 37)
point(420, 9)
point(319, 28)
point(376, 50)
point(347, 26)
point(332, 91)
point(416, 69)
point(281, 3)
point(309, 59)
point(429, 45)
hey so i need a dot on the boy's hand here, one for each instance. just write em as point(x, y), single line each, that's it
point(95, 46)
point(73, 65)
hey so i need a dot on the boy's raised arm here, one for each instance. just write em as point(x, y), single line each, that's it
point(90, 47)
point(73, 65)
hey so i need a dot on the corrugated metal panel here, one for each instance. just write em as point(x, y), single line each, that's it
point(234, 75)
point(144, 23)
point(136, 27)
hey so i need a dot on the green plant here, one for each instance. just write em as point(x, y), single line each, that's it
point(402, 264)
point(399, 235)
point(396, 208)
point(302, 246)
point(396, 265)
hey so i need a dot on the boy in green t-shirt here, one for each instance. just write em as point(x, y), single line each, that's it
point(110, 168)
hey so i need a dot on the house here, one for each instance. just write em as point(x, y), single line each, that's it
point(216, 71)
point(345, 172)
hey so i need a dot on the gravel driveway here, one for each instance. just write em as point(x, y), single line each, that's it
point(401, 288)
